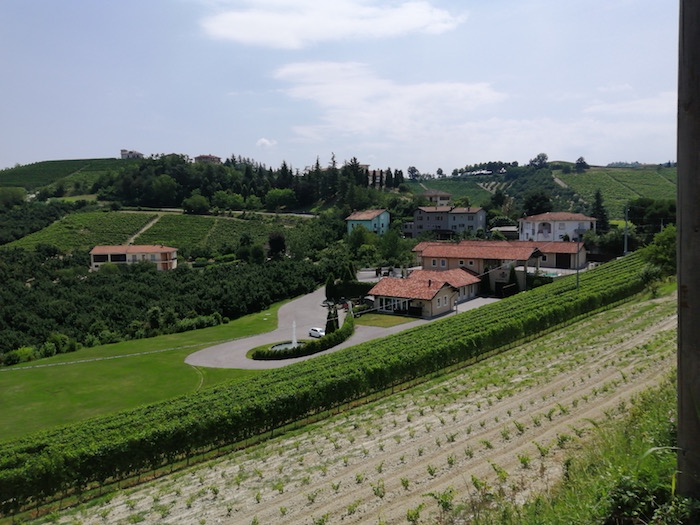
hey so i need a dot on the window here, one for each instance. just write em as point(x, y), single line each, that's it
point(443, 262)
point(470, 218)
point(562, 226)
point(433, 262)
point(438, 302)
point(99, 258)
point(544, 258)
point(461, 262)
point(153, 257)
point(118, 257)
point(133, 257)
point(471, 263)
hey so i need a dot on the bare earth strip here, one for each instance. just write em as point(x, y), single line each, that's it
point(376, 461)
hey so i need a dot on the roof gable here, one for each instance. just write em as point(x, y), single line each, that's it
point(559, 216)
point(365, 215)
point(131, 248)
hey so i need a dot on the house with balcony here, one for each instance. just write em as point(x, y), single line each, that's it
point(376, 221)
point(164, 257)
point(445, 222)
point(555, 226)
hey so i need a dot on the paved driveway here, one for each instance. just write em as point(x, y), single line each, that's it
point(307, 311)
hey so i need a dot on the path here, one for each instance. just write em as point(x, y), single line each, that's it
point(147, 226)
point(307, 311)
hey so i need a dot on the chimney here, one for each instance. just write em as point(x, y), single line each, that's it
point(430, 283)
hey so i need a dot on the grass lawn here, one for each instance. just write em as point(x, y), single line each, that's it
point(85, 384)
point(382, 320)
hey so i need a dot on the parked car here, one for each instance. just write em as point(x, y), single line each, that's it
point(317, 332)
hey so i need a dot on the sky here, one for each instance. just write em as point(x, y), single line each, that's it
point(425, 83)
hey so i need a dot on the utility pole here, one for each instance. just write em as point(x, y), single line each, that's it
point(688, 250)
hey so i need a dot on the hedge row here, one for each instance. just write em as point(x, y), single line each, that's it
point(112, 447)
point(310, 347)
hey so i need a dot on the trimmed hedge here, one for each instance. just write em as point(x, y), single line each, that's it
point(310, 347)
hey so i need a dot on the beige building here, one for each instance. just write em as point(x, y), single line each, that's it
point(424, 293)
point(164, 257)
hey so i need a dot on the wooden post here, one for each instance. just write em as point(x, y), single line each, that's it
point(688, 250)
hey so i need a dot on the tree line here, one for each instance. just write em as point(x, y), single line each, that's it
point(237, 183)
point(50, 303)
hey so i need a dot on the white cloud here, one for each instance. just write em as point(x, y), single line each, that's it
point(265, 143)
point(663, 104)
point(295, 24)
point(356, 102)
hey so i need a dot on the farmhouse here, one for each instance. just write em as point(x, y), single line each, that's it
point(131, 154)
point(495, 258)
point(424, 293)
point(164, 257)
point(207, 159)
point(376, 221)
point(555, 226)
point(437, 197)
point(445, 221)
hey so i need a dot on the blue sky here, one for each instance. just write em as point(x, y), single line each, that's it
point(428, 83)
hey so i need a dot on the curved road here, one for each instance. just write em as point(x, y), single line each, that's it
point(307, 311)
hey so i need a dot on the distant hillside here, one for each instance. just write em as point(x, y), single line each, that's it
point(569, 191)
point(620, 185)
point(71, 173)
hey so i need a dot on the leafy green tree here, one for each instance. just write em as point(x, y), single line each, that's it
point(540, 161)
point(662, 252)
point(537, 202)
point(279, 199)
point(277, 244)
point(196, 204)
point(10, 197)
point(581, 165)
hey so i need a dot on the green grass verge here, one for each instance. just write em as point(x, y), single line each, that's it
point(382, 320)
point(84, 384)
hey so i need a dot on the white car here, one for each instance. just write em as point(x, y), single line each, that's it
point(317, 332)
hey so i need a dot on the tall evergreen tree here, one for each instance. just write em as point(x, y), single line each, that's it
point(599, 212)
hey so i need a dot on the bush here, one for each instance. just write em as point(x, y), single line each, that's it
point(310, 347)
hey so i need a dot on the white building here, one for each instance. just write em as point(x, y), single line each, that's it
point(555, 226)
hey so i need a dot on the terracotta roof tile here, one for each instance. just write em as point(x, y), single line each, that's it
point(131, 248)
point(366, 215)
point(407, 288)
point(559, 216)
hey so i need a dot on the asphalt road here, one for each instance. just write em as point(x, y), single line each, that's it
point(307, 311)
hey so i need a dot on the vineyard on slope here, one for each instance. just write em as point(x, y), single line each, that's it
point(110, 448)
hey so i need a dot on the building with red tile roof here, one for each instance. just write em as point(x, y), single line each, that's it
point(164, 257)
point(425, 293)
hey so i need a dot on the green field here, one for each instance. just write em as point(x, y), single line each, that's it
point(620, 185)
point(212, 234)
point(104, 379)
point(458, 188)
point(33, 176)
point(83, 231)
